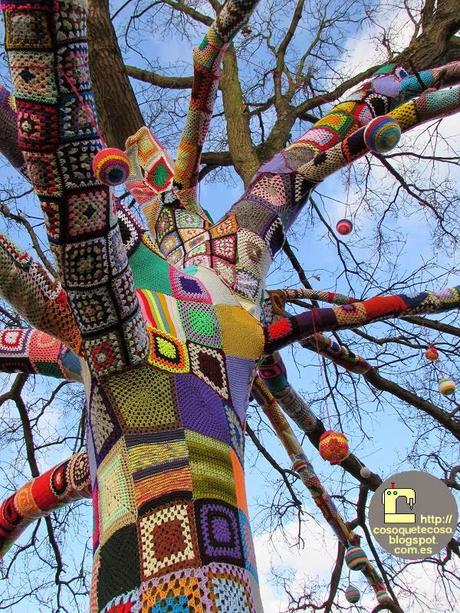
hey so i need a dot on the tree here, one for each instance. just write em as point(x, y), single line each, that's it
point(141, 421)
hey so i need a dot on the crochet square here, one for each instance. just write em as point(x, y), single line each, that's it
point(225, 247)
point(75, 117)
point(158, 462)
point(253, 216)
point(225, 227)
point(170, 242)
point(187, 219)
point(209, 365)
point(198, 245)
point(32, 73)
point(86, 263)
point(275, 236)
point(200, 323)
point(198, 260)
point(15, 342)
point(225, 270)
point(126, 298)
point(168, 540)
point(187, 233)
point(218, 532)
point(29, 30)
point(78, 472)
point(165, 223)
point(25, 503)
point(71, 22)
point(230, 589)
point(73, 67)
point(212, 471)
point(115, 575)
point(88, 212)
point(94, 309)
point(348, 314)
point(44, 174)
point(187, 287)
point(143, 398)
point(129, 230)
point(116, 496)
point(160, 175)
point(236, 326)
point(135, 339)
point(37, 126)
point(105, 355)
point(117, 252)
point(75, 161)
point(170, 590)
point(176, 257)
point(200, 408)
point(167, 352)
point(247, 284)
point(253, 254)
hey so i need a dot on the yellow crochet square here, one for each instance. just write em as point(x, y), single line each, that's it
point(116, 496)
point(212, 471)
point(143, 399)
point(237, 327)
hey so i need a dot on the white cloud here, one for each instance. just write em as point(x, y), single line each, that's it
point(312, 567)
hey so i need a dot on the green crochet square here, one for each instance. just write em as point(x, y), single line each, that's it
point(150, 271)
point(160, 175)
point(212, 473)
point(202, 322)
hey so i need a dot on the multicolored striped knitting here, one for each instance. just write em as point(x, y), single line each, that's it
point(58, 486)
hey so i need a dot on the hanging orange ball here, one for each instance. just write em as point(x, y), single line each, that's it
point(344, 227)
point(333, 447)
point(111, 166)
point(432, 353)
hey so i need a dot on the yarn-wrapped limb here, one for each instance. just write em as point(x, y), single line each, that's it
point(288, 330)
point(306, 472)
point(80, 212)
point(67, 482)
point(35, 352)
point(36, 295)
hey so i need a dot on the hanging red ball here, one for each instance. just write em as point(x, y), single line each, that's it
point(344, 227)
point(333, 447)
point(432, 353)
point(111, 166)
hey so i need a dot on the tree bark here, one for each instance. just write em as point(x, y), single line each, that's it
point(118, 112)
point(240, 143)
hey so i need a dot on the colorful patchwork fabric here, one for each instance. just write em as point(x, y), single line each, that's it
point(289, 329)
point(33, 351)
point(35, 295)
